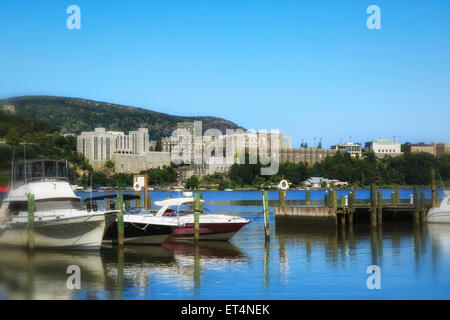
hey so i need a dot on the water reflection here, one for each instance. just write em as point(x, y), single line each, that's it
point(111, 272)
point(300, 261)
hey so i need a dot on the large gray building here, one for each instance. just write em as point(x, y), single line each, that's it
point(130, 153)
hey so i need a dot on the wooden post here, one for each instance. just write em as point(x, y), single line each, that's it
point(30, 228)
point(149, 202)
point(342, 209)
point(281, 196)
point(397, 196)
point(351, 203)
point(434, 195)
point(373, 205)
point(308, 197)
point(423, 213)
point(416, 206)
point(334, 199)
point(146, 191)
point(108, 204)
point(325, 200)
point(197, 209)
point(380, 208)
point(138, 201)
point(266, 214)
point(120, 225)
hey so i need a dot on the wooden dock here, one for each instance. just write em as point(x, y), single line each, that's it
point(349, 210)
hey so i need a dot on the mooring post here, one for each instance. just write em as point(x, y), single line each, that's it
point(326, 199)
point(30, 229)
point(397, 196)
point(380, 208)
point(343, 209)
point(149, 202)
point(281, 196)
point(197, 209)
point(416, 206)
point(266, 214)
point(138, 201)
point(308, 197)
point(334, 199)
point(146, 192)
point(120, 226)
point(423, 213)
point(434, 195)
point(373, 204)
point(351, 203)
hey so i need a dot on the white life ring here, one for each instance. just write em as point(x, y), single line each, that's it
point(283, 185)
point(137, 186)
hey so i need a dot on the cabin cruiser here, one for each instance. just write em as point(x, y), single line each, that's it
point(442, 213)
point(140, 226)
point(212, 226)
point(60, 220)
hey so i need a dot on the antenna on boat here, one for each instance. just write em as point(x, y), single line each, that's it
point(12, 168)
point(25, 163)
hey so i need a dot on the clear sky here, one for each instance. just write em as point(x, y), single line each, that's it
point(309, 68)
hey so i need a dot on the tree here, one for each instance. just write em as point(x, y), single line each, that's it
point(158, 146)
point(109, 164)
point(13, 137)
point(192, 182)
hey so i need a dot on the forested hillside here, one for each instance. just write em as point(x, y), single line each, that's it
point(76, 115)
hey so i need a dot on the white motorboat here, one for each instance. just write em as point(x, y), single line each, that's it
point(211, 226)
point(442, 213)
point(142, 227)
point(60, 220)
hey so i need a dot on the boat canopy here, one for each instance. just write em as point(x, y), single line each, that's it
point(175, 202)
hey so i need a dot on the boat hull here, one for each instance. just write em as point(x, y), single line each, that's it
point(139, 233)
point(438, 215)
point(209, 231)
point(82, 232)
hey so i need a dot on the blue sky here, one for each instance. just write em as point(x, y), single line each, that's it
point(309, 68)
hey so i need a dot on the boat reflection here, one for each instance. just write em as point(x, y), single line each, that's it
point(111, 273)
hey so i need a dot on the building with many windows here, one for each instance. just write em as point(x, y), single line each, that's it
point(436, 148)
point(353, 148)
point(383, 148)
point(130, 152)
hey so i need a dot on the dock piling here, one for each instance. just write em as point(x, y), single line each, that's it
point(308, 197)
point(120, 224)
point(380, 208)
point(342, 209)
point(373, 204)
point(434, 195)
point(281, 198)
point(266, 214)
point(416, 206)
point(423, 212)
point(197, 209)
point(30, 227)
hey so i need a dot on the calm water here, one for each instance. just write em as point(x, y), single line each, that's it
point(298, 263)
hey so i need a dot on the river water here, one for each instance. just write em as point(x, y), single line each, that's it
point(297, 263)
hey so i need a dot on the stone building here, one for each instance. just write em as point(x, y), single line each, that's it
point(8, 108)
point(353, 148)
point(308, 155)
point(437, 149)
point(130, 152)
point(383, 148)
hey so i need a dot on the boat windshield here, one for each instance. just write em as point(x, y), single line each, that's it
point(39, 170)
point(50, 205)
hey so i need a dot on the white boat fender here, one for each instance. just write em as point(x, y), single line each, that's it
point(283, 185)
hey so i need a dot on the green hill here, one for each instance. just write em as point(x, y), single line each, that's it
point(76, 115)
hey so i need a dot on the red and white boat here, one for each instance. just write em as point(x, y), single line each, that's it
point(212, 226)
